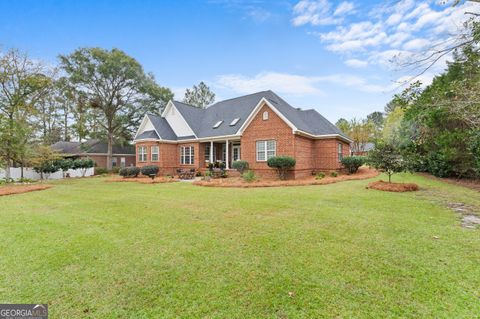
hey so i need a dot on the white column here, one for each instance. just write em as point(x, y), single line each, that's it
point(226, 155)
point(211, 151)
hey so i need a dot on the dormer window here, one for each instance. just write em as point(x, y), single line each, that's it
point(218, 124)
point(235, 121)
point(265, 115)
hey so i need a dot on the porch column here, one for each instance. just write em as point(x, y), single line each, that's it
point(226, 155)
point(211, 151)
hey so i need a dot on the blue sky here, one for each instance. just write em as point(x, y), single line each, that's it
point(329, 55)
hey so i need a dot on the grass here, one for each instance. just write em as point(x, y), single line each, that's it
point(124, 250)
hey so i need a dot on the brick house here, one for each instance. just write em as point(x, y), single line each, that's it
point(123, 155)
point(254, 128)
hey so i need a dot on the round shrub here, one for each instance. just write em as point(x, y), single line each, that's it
point(282, 164)
point(240, 166)
point(150, 170)
point(133, 171)
point(249, 176)
point(123, 172)
point(353, 163)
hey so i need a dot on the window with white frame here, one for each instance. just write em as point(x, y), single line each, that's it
point(187, 155)
point(265, 115)
point(266, 150)
point(340, 152)
point(142, 153)
point(207, 153)
point(154, 150)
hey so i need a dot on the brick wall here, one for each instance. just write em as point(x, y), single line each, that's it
point(272, 129)
point(326, 154)
point(101, 160)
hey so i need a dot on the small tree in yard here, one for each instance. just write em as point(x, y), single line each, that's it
point(240, 166)
point(64, 164)
point(387, 158)
point(353, 163)
point(150, 171)
point(45, 161)
point(83, 164)
point(282, 164)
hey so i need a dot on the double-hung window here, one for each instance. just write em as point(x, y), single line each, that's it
point(207, 153)
point(142, 153)
point(340, 152)
point(266, 150)
point(154, 150)
point(187, 155)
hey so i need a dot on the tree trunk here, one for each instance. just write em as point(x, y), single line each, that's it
point(109, 150)
point(389, 177)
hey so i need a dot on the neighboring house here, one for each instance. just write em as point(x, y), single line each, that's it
point(253, 127)
point(363, 149)
point(97, 151)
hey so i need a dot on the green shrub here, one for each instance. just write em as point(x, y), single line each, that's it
point(353, 163)
point(133, 171)
point(26, 180)
point(240, 166)
point(150, 170)
point(334, 174)
point(249, 176)
point(282, 164)
point(320, 175)
point(64, 164)
point(114, 170)
point(123, 172)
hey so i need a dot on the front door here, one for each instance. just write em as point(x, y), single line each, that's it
point(236, 153)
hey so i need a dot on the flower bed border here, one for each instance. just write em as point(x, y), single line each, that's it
point(363, 173)
point(393, 187)
point(20, 189)
point(142, 180)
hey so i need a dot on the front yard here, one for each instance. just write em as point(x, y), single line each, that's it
point(90, 248)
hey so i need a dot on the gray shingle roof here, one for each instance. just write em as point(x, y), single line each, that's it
point(201, 121)
point(162, 127)
point(91, 147)
point(147, 134)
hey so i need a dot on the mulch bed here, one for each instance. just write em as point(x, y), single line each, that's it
point(363, 173)
point(19, 189)
point(393, 187)
point(143, 180)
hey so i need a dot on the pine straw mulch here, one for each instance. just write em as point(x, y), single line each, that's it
point(393, 187)
point(19, 189)
point(363, 173)
point(142, 180)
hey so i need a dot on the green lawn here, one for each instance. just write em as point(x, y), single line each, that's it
point(122, 250)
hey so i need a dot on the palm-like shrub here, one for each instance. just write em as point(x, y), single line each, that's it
point(282, 164)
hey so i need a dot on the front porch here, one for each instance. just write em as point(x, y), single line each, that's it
point(225, 152)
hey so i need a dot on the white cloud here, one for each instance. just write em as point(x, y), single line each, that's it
point(344, 8)
point(282, 83)
point(293, 84)
point(416, 44)
point(355, 63)
point(314, 12)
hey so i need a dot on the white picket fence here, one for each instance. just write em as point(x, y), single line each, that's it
point(15, 173)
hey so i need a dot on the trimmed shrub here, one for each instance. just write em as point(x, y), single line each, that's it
point(240, 166)
point(150, 171)
point(282, 164)
point(353, 163)
point(123, 172)
point(249, 176)
point(133, 171)
point(320, 175)
point(334, 174)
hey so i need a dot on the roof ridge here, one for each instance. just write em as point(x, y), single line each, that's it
point(239, 97)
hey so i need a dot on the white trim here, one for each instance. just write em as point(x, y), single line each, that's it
point(142, 126)
point(257, 109)
point(170, 104)
point(265, 152)
point(324, 136)
point(157, 153)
